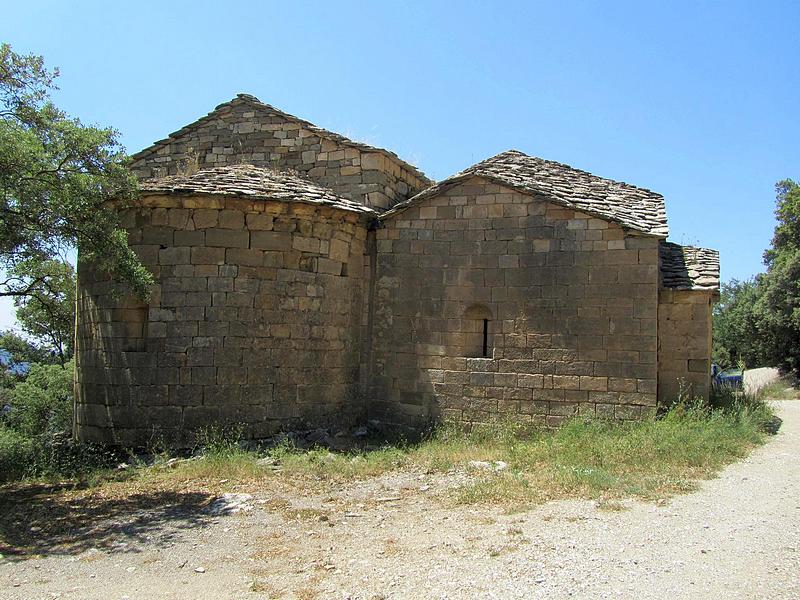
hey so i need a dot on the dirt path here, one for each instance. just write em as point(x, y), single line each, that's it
point(738, 536)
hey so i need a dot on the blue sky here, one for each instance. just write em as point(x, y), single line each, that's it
point(696, 100)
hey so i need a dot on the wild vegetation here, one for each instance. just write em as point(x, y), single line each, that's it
point(757, 321)
point(57, 180)
point(506, 463)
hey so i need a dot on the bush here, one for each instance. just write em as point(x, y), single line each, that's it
point(17, 455)
point(35, 432)
point(42, 403)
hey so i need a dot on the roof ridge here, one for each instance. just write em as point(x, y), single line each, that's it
point(633, 207)
point(689, 246)
point(519, 153)
point(256, 103)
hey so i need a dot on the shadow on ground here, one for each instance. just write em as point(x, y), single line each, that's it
point(41, 520)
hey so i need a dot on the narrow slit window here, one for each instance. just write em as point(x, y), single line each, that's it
point(474, 334)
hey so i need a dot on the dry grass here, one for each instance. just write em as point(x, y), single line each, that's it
point(585, 458)
point(785, 388)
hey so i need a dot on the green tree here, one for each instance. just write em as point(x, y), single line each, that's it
point(737, 337)
point(16, 355)
point(47, 312)
point(787, 212)
point(59, 184)
point(21, 350)
point(758, 321)
point(778, 305)
point(42, 403)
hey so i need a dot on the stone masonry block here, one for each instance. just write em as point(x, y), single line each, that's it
point(259, 222)
point(207, 256)
point(205, 218)
point(227, 238)
point(271, 240)
point(593, 383)
point(231, 219)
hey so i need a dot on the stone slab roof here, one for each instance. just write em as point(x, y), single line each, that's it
point(688, 267)
point(248, 181)
point(630, 206)
point(256, 104)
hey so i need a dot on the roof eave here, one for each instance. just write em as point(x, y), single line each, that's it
point(660, 232)
point(366, 211)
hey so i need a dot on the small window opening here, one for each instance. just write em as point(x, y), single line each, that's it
point(475, 325)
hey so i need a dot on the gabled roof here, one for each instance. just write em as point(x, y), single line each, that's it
point(630, 206)
point(256, 104)
point(688, 267)
point(248, 181)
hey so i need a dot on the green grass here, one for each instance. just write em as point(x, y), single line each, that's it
point(591, 459)
point(585, 458)
point(785, 388)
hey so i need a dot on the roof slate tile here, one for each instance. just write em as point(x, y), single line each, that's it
point(688, 267)
point(251, 182)
point(632, 207)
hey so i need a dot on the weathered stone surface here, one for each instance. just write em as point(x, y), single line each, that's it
point(288, 296)
point(684, 343)
point(232, 327)
point(688, 267)
point(632, 207)
point(564, 328)
point(247, 131)
point(246, 181)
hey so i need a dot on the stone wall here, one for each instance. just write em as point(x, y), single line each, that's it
point(569, 304)
point(255, 320)
point(684, 344)
point(248, 132)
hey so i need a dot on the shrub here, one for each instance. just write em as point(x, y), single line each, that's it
point(42, 403)
point(17, 455)
point(35, 432)
point(219, 441)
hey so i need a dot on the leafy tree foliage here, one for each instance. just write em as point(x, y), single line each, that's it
point(787, 213)
point(16, 355)
point(778, 305)
point(42, 403)
point(47, 312)
point(758, 321)
point(21, 350)
point(735, 329)
point(58, 179)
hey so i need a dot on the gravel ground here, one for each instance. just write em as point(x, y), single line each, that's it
point(738, 536)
